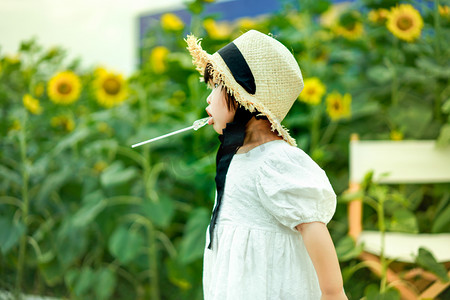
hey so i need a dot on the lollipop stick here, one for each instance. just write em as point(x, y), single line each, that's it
point(196, 126)
point(161, 137)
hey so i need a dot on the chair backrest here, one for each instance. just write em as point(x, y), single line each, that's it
point(414, 161)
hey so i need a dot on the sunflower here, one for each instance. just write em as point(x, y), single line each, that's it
point(405, 22)
point(313, 91)
point(396, 135)
point(444, 11)
point(171, 22)
point(351, 31)
point(99, 71)
point(339, 106)
point(330, 17)
point(64, 88)
point(246, 23)
point(217, 31)
point(63, 122)
point(32, 104)
point(378, 15)
point(158, 58)
point(110, 89)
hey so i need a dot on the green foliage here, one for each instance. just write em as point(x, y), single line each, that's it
point(84, 216)
point(426, 260)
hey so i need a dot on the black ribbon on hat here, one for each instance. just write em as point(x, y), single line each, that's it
point(238, 66)
point(231, 139)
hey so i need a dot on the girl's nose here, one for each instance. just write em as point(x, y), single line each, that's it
point(208, 101)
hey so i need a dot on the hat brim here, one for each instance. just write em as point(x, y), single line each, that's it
point(222, 74)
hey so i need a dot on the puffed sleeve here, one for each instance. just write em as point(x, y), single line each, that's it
point(294, 189)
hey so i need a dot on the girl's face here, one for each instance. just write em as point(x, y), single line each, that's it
point(218, 109)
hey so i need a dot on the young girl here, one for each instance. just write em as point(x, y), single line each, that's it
point(268, 237)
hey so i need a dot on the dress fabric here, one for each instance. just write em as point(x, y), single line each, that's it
point(256, 252)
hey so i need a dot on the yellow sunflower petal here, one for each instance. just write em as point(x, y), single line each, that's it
point(338, 106)
point(110, 89)
point(405, 22)
point(352, 32)
point(171, 22)
point(217, 30)
point(444, 10)
point(313, 91)
point(32, 104)
point(64, 88)
point(63, 122)
point(396, 135)
point(158, 58)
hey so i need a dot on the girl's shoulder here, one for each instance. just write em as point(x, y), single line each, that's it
point(284, 159)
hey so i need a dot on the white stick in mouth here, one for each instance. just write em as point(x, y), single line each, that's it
point(196, 126)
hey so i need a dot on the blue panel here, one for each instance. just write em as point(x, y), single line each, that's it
point(227, 11)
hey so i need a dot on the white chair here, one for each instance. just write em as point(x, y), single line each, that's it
point(406, 162)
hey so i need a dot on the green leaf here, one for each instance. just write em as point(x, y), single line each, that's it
point(194, 238)
point(71, 242)
point(412, 117)
point(372, 292)
point(106, 282)
point(426, 260)
point(444, 136)
point(161, 212)
point(442, 221)
point(446, 107)
point(72, 139)
point(403, 221)
point(116, 174)
point(10, 234)
point(52, 272)
point(347, 249)
point(10, 175)
point(351, 196)
point(52, 183)
point(89, 210)
point(380, 74)
point(430, 66)
point(85, 281)
point(125, 245)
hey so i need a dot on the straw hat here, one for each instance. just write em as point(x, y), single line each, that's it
point(259, 71)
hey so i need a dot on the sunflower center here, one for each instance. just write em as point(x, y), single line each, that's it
point(111, 86)
point(404, 23)
point(350, 27)
point(311, 91)
point(64, 88)
point(337, 105)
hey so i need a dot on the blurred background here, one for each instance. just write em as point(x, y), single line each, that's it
point(84, 216)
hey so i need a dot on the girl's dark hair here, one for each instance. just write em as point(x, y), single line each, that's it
point(232, 104)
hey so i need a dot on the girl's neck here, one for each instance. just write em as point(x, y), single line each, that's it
point(258, 132)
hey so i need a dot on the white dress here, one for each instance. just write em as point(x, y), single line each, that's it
point(257, 253)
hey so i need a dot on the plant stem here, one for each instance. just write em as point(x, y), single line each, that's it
point(394, 85)
point(331, 128)
point(315, 127)
point(153, 262)
point(25, 206)
point(437, 30)
point(382, 228)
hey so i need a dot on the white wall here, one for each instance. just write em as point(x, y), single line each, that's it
point(99, 31)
